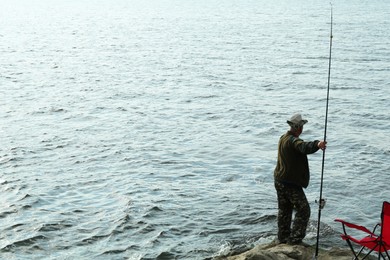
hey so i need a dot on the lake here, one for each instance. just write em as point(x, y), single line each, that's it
point(149, 129)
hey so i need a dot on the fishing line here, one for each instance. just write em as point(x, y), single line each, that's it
point(321, 202)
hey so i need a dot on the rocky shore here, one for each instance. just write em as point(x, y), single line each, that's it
point(289, 252)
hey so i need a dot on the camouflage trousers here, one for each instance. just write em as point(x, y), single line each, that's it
point(292, 198)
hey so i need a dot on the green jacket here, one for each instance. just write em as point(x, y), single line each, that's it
point(292, 166)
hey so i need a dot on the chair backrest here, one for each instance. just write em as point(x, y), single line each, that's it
point(386, 221)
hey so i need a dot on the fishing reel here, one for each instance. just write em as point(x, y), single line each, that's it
point(321, 203)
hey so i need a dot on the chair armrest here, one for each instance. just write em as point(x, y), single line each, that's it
point(354, 226)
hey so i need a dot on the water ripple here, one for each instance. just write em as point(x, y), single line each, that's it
point(150, 131)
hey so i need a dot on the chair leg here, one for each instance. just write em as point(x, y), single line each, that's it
point(384, 253)
point(353, 250)
point(379, 254)
point(386, 249)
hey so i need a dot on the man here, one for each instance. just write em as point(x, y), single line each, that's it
point(291, 176)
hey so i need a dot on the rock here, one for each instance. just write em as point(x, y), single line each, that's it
point(289, 252)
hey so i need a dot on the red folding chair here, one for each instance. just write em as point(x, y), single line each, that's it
point(374, 240)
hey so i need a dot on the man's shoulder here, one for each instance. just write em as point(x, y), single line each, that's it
point(290, 137)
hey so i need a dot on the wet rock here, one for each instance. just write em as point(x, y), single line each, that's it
point(289, 252)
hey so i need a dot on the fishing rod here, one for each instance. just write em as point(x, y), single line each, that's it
point(321, 202)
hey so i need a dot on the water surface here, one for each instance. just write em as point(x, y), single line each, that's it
point(135, 130)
